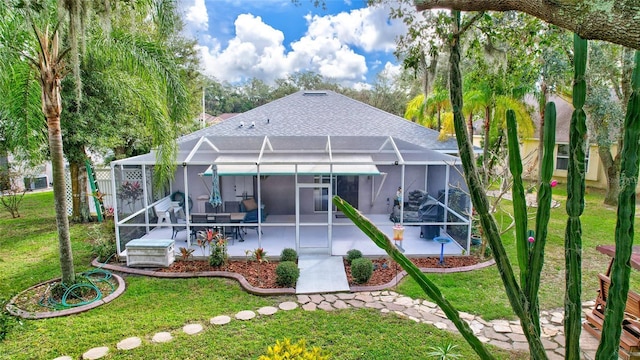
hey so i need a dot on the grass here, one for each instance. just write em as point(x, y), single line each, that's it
point(28, 255)
point(488, 297)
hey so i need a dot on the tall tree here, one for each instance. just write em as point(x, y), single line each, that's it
point(44, 42)
point(37, 28)
point(609, 91)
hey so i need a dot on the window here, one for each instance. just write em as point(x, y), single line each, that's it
point(321, 195)
point(562, 158)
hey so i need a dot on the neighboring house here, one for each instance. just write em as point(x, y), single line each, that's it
point(212, 120)
point(25, 177)
point(288, 158)
point(595, 174)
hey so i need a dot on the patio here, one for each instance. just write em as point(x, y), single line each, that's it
point(345, 236)
point(289, 158)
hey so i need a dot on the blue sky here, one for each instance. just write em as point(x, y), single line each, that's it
point(269, 39)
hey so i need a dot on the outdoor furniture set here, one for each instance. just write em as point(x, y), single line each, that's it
point(630, 336)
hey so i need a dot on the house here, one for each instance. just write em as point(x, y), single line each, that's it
point(285, 160)
point(24, 176)
point(595, 175)
point(212, 120)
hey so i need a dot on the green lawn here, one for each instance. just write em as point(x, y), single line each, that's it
point(28, 255)
point(482, 292)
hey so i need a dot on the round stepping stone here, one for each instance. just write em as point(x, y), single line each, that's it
point(288, 305)
point(95, 353)
point(129, 343)
point(220, 320)
point(63, 358)
point(162, 337)
point(192, 329)
point(267, 310)
point(245, 315)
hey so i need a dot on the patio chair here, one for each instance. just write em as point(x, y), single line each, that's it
point(227, 231)
point(231, 206)
point(251, 217)
point(209, 209)
point(174, 220)
point(198, 219)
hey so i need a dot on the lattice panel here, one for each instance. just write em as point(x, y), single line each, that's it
point(68, 192)
point(132, 175)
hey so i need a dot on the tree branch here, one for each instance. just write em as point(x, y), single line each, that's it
point(475, 18)
point(609, 20)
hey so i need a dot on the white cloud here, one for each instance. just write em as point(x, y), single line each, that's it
point(196, 16)
point(256, 51)
point(328, 48)
point(369, 28)
point(392, 71)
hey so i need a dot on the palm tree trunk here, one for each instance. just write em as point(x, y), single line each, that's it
point(59, 193)
point(52, 107)
point(470, 126)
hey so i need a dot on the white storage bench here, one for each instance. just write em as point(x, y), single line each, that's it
point(150, 252)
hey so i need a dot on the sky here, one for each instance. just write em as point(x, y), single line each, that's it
point(270, 39)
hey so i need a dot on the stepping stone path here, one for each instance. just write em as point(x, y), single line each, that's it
point(220, 320)
point(192, 329)
point(129, 343)
point(502, 333)
point(162, 337)
point(267, 310)
point(245, 315)
point(95, 353)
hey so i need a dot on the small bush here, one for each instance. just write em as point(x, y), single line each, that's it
point(353, 254)
point(288, 254)
point(219, 254)
point(104, 240)
point(287, 273)
point(361, 270)
point(285, 350)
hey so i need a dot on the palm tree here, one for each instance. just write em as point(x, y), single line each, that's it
point(34, 46)
point(423, 111)
point(437, 102)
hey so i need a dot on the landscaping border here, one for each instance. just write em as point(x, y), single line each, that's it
point(172, 275)
point(15, 311)
point(277, 291)
point(403, 273)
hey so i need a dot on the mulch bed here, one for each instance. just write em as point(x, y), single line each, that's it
point(264, 275)
point(384, 270)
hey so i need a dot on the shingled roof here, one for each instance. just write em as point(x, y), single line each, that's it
point(324, 113)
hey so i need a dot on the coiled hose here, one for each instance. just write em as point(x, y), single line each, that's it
point(75, 293)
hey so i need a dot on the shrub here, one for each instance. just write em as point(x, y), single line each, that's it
point(219, 255)
point(104, 240)
point(353, 254)
point(285, 350)
point(287, 273)
point(288, 254)
point(361, 270)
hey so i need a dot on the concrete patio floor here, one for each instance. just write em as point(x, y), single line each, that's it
point(278, 233)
